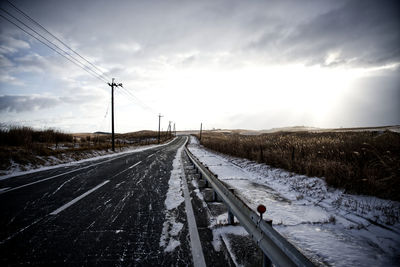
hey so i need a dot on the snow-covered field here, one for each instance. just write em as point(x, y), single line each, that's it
point(326, 224)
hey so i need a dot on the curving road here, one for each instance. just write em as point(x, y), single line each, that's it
point(104, 212)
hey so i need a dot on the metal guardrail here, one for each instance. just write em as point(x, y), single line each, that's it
point(278, 250)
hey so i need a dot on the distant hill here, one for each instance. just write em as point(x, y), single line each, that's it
point(392, 128)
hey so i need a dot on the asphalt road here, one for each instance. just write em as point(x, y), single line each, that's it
point(104, 212)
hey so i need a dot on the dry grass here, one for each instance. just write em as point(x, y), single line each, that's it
point(26, 146)
point(26, 136)
point(360, 162)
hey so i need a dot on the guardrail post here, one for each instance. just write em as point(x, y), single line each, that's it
point(266, 261)
point(215, 196)
point(280, 251)
point(231, 217)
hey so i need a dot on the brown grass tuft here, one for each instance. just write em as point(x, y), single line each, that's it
point(360, 162)
point(27, 146)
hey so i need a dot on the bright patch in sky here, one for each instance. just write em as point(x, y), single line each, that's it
point(254, 65)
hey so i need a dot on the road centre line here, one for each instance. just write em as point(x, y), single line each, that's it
point(6, 190)
point(113, 157)
point(134, 165)
point(72, 202)
point(58, 175)
point(127, 169)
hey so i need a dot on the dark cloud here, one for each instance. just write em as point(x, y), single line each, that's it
point(13, 103)
point(24, 103)
point(140, 42)
point(360, 32)
point(374, 101)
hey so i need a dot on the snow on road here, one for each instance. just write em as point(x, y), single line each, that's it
point(326, 224)
point(171, 227)
point(53, 162)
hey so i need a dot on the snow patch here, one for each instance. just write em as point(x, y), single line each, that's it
point(363, 230)
point(174, 194)
point(198, 193)
point(171, 228)
point(218, 232)
point(170, 231)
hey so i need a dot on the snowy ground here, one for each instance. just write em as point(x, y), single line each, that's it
point(171, 226)
point(326, 224)
point(53, 162)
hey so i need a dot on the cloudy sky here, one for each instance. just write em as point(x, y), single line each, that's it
point(229, 64)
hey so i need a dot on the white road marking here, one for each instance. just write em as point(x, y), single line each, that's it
point(58, 175)
point(78, 198)
point(20, 231)
point(134, 165)
point(73, 163)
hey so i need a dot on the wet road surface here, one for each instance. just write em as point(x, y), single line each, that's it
point(104, 212)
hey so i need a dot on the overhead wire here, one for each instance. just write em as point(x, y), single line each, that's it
point(58, 39)
point(137, 100)
point(134, 100)
point(96, 72)
point(70, 58)
point(104, 118)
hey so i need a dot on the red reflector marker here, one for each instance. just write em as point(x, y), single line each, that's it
point(261, 209)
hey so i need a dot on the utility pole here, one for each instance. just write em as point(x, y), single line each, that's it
point(159, 123)
point(174, 130)
point(112, 84)
point(169, 129)
point(201, 129)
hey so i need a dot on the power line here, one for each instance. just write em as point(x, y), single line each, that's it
point(80, 64)
point(137, 100)
point(95, 71)
point(76, 61)
point(37, 23)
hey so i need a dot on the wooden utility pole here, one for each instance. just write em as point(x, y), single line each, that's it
point(201, 129)
point(112, 84)
point(174, 130)
point(169, 131)
point(159, 123)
